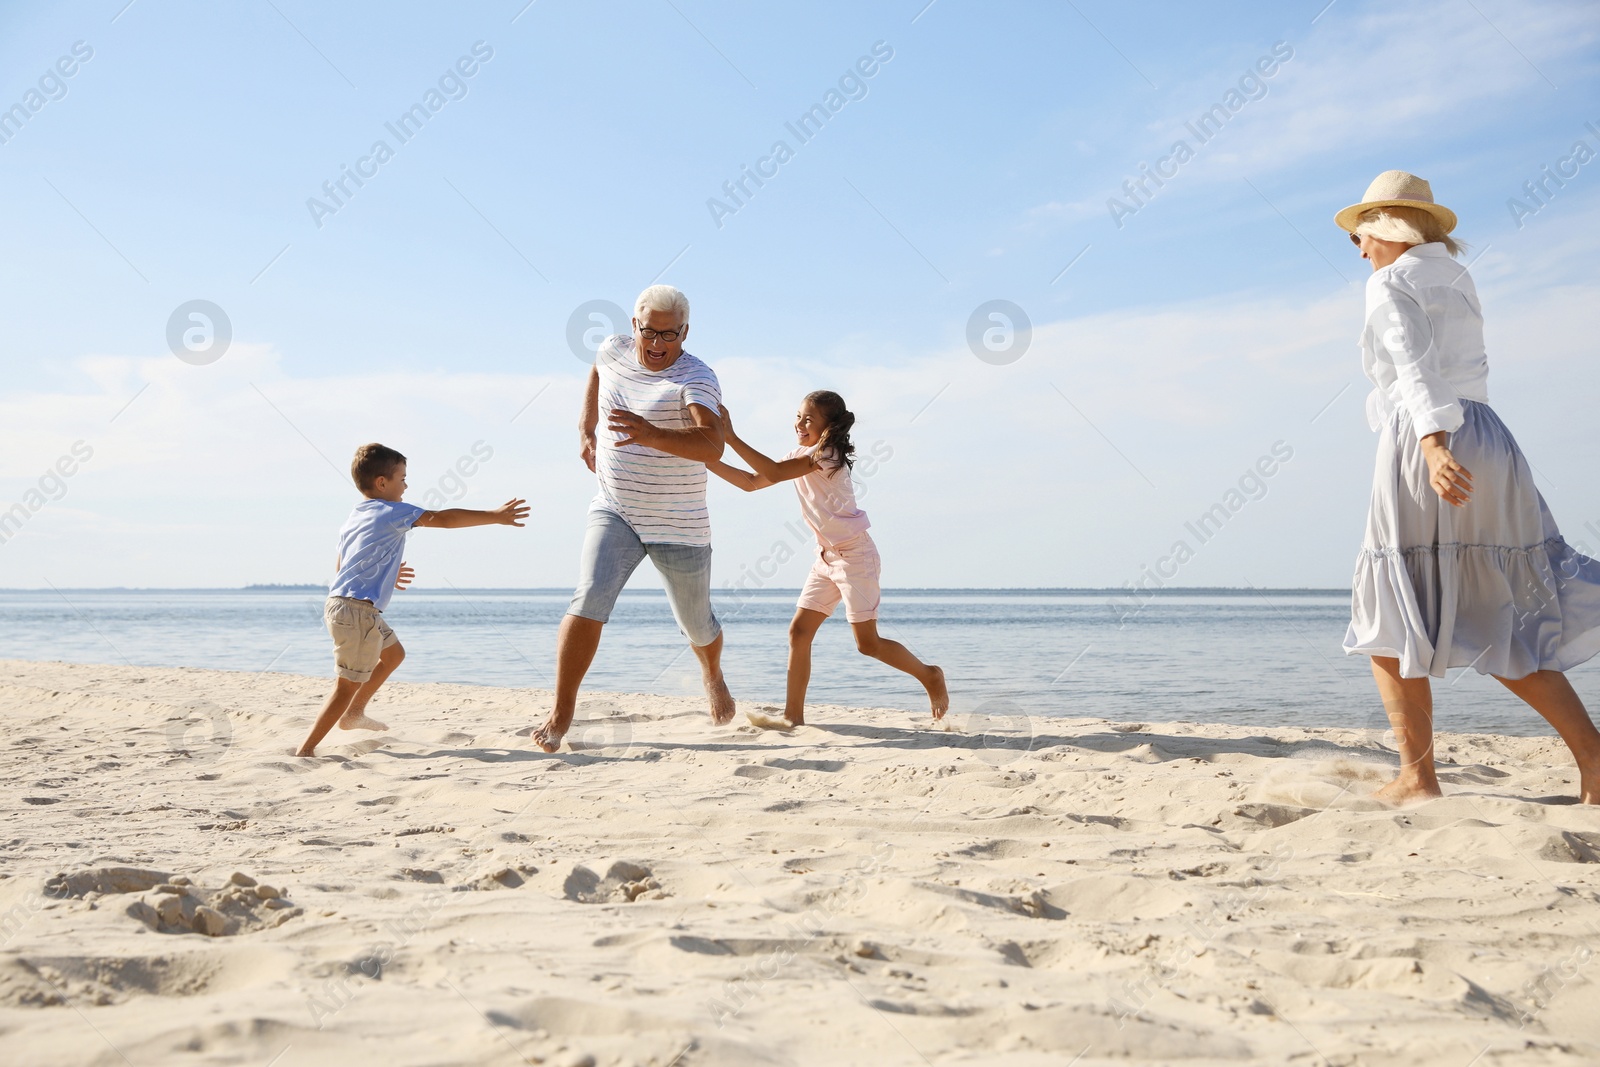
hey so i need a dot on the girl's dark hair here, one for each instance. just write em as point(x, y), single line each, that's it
point(839, 418)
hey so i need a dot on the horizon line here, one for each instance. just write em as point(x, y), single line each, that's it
point(1196, 590)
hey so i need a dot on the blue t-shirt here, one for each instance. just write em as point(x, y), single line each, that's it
point(371, 543)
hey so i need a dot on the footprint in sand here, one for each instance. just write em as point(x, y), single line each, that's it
point(624, 883)
point(174, 904)
point(504, 877)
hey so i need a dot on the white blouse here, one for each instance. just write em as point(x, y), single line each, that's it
point(1423, 342)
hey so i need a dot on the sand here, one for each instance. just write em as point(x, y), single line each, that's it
point(178, 889)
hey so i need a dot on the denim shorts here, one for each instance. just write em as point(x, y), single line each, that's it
point(611, 553)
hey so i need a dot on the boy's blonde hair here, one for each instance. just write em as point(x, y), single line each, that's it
point(1408, 225)
point(372, 462)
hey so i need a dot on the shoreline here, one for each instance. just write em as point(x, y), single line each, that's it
point(1525, 723)
point(861, 890)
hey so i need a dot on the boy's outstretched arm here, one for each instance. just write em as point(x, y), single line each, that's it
point(507, 514)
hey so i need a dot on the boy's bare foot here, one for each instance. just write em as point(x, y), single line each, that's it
point(771, 722)
point(938, 694)
point(360, 721)
point(1404, 790)
point(547, 737)
point(722, 705)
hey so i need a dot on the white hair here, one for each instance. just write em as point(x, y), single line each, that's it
point(662, 298)
point(1407, 225)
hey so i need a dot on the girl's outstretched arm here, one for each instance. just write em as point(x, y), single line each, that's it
point(749, 481)
point(770, 470)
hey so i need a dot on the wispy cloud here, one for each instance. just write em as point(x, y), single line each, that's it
point(200, 481)
point(1365, 76)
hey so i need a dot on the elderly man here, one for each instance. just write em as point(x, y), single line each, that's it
point(661, 410)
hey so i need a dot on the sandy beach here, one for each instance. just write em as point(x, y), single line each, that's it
point(177, 889)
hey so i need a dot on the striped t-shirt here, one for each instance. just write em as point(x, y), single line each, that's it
point(662, 496)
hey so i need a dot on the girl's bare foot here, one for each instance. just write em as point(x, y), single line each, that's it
point(547, 737)
point(1408, 790)
point(938, 694)
point(359, 720)
point(722, 705)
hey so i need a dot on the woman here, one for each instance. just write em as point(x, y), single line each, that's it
point(1462, 565)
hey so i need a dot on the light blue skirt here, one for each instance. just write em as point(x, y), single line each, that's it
point(1491, 585)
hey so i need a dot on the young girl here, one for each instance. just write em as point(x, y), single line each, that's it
point(847, 561)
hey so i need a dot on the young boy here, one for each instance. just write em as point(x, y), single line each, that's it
point(365, 649)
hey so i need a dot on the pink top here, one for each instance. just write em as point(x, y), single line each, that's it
point(828, 502)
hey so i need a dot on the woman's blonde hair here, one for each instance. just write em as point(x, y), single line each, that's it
point(1408, 225)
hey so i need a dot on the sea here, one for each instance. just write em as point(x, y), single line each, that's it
point(1250, 657)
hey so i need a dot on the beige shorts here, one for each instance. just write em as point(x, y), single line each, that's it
point(849, 572)
point(359, 636)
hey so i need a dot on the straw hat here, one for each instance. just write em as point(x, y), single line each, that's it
point(1396, 188)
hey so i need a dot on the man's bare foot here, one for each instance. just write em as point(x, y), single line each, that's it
point(1403, 791)
point(722, 705)
point(770, 722)
point(938, 694)
point(359, 721)
point(548, 738)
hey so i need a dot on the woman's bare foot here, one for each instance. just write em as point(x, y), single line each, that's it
point(769, 722)
point(547, 737)
point(1408, 790)
point(722, 705)
point(1589, 787)
point(359, 720)
point(304, 751)
point(938, 694)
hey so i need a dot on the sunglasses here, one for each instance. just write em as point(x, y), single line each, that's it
point(1355, 239)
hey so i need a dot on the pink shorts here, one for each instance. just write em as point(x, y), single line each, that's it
point(848, 571)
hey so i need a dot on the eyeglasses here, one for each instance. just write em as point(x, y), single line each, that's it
point(660, 335)
point(1355, 239)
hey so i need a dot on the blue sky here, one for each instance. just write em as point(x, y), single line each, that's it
point(975, 164)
